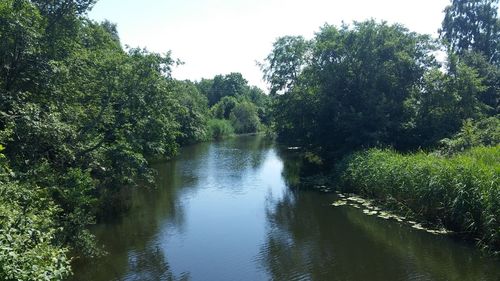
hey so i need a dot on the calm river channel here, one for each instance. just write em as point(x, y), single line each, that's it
point(226, 211)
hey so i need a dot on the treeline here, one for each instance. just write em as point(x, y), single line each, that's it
point(372, 84)
point(80, 117)
point(235, 107)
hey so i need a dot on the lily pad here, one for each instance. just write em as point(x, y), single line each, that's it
point(339, 203)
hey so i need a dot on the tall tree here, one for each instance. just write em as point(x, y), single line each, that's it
point(352, 90)
point(473, 25)
point(232, 84)
point(283, 66)
point(244, 118)
point(471, 30)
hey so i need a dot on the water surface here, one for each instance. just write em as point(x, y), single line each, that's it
point(226, 211)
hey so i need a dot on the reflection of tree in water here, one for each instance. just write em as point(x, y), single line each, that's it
point(151, 265)
point(298, 172)
point(133, 240)
point(249, 151)
point(295, 248)
point(235, 158)
point(435, 257)
point(255, 147)
point(292, 166)
point(152, 209)
point(309, 240)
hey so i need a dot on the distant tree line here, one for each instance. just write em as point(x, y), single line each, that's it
point(234, 105)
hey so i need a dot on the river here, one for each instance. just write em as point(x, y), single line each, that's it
point(225, 211)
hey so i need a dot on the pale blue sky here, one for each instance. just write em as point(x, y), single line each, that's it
point(222, 36)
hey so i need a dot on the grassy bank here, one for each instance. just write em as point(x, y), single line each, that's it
point(460, 192)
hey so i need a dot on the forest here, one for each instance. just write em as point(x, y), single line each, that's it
point(374, 110)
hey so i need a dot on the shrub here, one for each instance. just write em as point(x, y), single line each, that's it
point(27, 232)
point(244, 118)
point(482, 132)
point(219, 128)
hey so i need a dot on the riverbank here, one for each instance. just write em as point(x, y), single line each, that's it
point(460, 193)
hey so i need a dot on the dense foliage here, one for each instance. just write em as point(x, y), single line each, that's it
point(353, 89)
point(27, 232)
point(231, 98)
point(80, 117)
point(485, 132)
point(374, 84)
point(220, 128)
point(460, 193)
point(472, 25)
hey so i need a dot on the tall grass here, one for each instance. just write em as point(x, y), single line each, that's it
point(219, 129)
point(460, 192)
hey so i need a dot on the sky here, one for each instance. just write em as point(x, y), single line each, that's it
point(222, 36)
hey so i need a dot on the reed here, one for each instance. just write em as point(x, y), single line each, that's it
point(459, 192)
point(219, 129)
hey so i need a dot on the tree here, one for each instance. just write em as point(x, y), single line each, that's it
point(80, 117)
point(225, 92)
point(244, 118)
point(471, 29)
point(351, 92)
point(21, 27)
point(192, 112)
point(224, 107)
point(445, 100)
point(221, 86)
point(473, 25)
point(60, 8)
point(490, 75)
point(27, 232)
point(284, 64)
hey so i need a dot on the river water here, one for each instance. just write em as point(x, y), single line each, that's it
point(226, 211)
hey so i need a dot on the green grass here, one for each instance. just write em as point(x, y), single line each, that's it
point(219, 129)
point(459, 192)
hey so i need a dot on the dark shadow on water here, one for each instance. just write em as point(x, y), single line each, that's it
point(131, 238)
point(308, 239)
point(229, 210)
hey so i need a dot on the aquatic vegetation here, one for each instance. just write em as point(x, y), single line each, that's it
point(370, 210)
point(339, 203)
point(370, 213)
point(460, 193)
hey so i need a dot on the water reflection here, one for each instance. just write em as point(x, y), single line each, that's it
point(137, 242)
point(307, 239)
point(225, 211)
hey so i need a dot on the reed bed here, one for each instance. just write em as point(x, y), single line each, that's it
point(459, 192)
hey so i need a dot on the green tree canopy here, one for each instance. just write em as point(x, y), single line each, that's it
point(244, 118)
point(283, 66)
point(352, 90)
point(473, 25)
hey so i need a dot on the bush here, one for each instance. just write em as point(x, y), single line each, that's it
point(482, 132)
point(27, 233)
point(219, 128)
point(244, 118)
point(460, 193)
